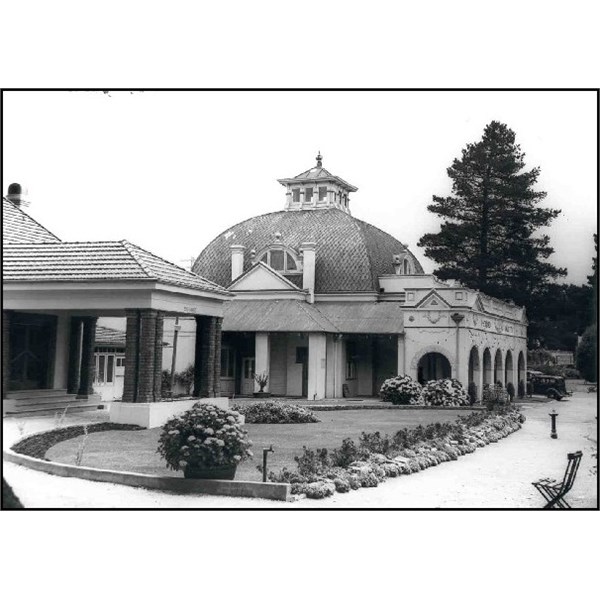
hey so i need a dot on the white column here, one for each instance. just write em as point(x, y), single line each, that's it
point(401, 356)
point(317, 365)
point(262, 354)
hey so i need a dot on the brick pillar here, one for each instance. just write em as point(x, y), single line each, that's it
point(88, 361)
point(5, 351)
point(147, 356)
point(74, 356)
point(131, 356)
point(158, 353)
point(204, 363)
point(217, 373)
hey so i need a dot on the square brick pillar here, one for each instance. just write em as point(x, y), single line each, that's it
point(204, 361)
point(143, 356)
point(88, 360)
point(74, 356)
point(217, 375)
point(6, 314)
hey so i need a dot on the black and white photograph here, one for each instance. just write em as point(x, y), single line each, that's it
point(248, 299)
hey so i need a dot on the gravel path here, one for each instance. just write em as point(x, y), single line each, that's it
point(497, 476)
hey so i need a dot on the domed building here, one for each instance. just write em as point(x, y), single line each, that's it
point(327, 305)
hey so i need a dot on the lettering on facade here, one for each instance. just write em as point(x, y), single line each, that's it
point(190, 309)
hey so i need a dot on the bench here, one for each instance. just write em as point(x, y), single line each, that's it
point(554, 492)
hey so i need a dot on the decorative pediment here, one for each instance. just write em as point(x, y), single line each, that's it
point(433, 301)
point(261, 277)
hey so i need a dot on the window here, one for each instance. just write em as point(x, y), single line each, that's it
point(227, 362)
point(105, 367)
point(296, 195)
point(249, 368)
point(120, 361)
point(110, 368)
point(308, 194)
point(281, 260)
point(322, 194)
point(350, 360)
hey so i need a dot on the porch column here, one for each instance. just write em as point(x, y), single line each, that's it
point(5, 351)
point(74, 356)
point(88, 360)
point(143, 363)
point(262, 357)
point(217, 373)
point(317, 365)
point(204, 361)
point(401, 356)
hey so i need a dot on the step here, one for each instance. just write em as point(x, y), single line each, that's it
point(43, 411)
point(65, 398)
point(27, 394)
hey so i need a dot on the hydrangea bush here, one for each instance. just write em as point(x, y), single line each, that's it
point(401, 390)
point(276, 412)
point(444, 392)
point(206, 436)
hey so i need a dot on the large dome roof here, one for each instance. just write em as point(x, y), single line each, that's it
point(350, 254)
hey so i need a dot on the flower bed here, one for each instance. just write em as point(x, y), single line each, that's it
point(404, 390)
point(38, 444)
point(376, 457)
point(276, 412)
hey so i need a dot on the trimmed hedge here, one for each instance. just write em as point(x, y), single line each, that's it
point(38, 444)
point(275, 413)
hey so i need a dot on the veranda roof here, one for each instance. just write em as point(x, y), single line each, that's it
point(326, 317)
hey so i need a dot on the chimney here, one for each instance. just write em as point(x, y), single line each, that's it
point(237, 261)
point(15, 194)
point(308, 273)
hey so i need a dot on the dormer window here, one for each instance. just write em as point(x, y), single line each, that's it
point(281, 260)
point(296, 195)
point(322, 194)
point(308, 194)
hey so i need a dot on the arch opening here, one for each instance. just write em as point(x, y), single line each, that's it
point(498, 368)
point(433, 365)
point(488, 375)
point(509, 376)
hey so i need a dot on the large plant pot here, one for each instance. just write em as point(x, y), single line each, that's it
point(201, 472)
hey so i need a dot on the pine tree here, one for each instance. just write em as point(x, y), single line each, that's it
point(487, 237)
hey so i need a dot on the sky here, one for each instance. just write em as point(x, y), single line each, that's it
point(170, 171)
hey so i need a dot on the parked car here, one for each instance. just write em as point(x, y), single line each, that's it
point(550, 386)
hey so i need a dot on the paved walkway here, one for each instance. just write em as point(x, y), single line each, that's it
point(497, 476)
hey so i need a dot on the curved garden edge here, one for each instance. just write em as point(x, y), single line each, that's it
point(374, 467)
point(213, 487)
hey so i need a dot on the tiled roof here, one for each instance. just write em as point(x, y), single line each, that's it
point(299, 316)
point(350, 254)
point(95, 261)
point(106, 336)
point(18, 227)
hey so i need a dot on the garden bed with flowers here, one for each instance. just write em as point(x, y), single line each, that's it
point(136, 451)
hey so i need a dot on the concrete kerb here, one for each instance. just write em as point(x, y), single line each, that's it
point(211, 487)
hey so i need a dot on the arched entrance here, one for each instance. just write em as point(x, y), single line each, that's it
point(474, 370)
point(433, 365)
point(488, 374)
point(509, 375)
point(498, 368)
point(521, 369)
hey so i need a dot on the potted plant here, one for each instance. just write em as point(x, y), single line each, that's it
point(206, 442)
point(261, 379)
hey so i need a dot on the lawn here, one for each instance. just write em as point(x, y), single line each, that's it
point(136, 450)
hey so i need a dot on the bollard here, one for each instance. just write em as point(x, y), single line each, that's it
point(553, 416)
point(264, 470)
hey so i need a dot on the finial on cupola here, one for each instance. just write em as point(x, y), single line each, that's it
point(319, 159)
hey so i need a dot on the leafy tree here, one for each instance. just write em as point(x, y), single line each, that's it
point(593, 282)
point(587, 361)
point(487, 237)
point(185, 378)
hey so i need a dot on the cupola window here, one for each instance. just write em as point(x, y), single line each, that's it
point(322, 194)
point(308, 194)
point(296, 195)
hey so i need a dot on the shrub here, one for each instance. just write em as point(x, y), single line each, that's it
point(313, 463)
point(9, 498)
point(185, 378)
point(586, 359)
point(401, 390)
point(165, 380)
point(571, 373)
point(275, 412)
point(510, 390)
point(206, 436)
point(444, 392)
point(346, 454)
